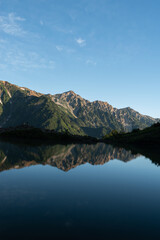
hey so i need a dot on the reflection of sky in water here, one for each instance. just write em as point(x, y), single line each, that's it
point(93, 199)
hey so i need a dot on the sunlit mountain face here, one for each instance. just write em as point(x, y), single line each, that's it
point(65, 112)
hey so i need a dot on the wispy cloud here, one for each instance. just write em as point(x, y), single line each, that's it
point(10, 24)
point(2, 40)
point(59, 48)
point(65, 49)
point(91, 62)
point(18, 60)
point(70, 50)
point(81, 42)
point(41, 23)
point(63, 30)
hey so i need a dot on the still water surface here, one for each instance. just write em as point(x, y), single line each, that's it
point(77, 192)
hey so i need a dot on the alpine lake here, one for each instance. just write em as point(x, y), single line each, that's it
point(78, 191)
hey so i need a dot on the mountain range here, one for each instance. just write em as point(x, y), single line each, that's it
point(66, 112)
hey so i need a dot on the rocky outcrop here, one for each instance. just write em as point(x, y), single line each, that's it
point(100, 114)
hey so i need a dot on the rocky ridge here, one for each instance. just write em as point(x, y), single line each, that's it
point(65, 112)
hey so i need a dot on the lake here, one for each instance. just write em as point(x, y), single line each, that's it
point(78, 192)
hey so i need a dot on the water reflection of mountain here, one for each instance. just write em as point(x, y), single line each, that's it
point(64, 157)
point(151, 151)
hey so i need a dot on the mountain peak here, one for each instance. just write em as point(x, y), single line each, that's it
point(5, 82)
point(69, 95)
point(71, 92)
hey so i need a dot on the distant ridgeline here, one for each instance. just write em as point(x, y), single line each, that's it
point(66, 112)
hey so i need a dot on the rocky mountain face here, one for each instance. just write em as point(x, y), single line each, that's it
point(65, 112)
point(100, 115)
point(21, 105)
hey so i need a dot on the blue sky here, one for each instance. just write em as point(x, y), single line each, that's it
point(102, 49)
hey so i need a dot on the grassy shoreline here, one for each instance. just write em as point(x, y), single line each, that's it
point(147, 136)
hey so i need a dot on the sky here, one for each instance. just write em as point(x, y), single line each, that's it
point(106, 50)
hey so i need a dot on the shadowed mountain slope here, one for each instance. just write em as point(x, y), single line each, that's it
point(147, 136)
point(65, 112)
